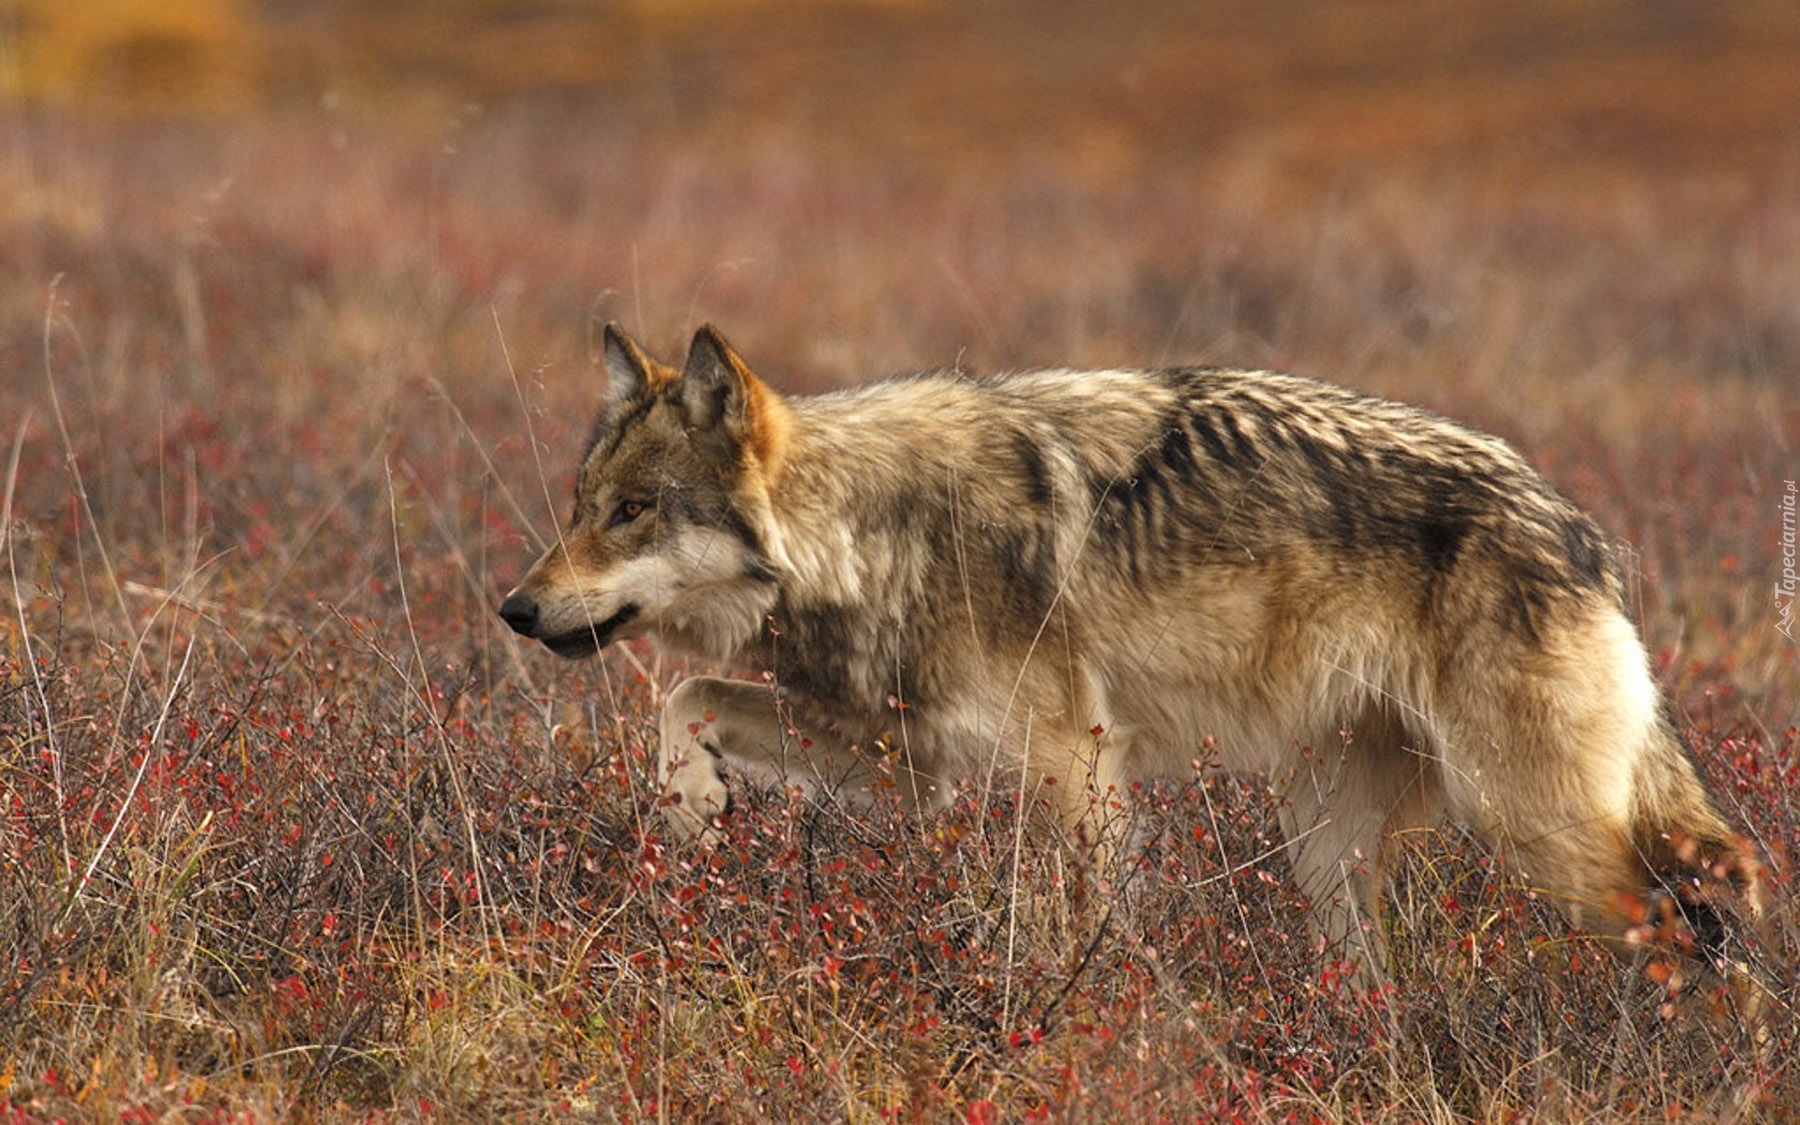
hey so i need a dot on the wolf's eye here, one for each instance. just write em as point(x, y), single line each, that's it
point(627, 511)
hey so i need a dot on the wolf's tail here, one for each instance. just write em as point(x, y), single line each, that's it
point(1686, 846)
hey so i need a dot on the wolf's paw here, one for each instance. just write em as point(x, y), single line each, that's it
point(693, 800)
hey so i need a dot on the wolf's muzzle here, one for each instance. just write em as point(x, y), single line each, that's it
point(520, 612)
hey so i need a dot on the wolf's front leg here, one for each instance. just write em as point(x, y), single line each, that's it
point(708, 722)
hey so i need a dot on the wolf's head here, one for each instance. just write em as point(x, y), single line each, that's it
point(672, 533)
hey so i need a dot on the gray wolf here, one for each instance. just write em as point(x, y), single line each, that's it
point(1073, 580)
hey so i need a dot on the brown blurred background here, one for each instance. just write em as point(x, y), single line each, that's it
point(1399, 126)
point(1642, 80)
point(1317, 84)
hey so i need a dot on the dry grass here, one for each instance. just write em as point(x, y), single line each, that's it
point(292, 827)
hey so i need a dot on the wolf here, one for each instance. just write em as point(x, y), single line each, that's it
point(1075, 580)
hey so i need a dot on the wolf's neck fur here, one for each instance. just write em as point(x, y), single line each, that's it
point(842, 525)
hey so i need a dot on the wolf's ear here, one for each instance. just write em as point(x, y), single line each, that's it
point(719, 390)
point(630, 373)
point(715, 386)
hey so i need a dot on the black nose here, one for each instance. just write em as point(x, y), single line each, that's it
point(521, 613)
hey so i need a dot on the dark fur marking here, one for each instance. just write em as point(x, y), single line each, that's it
point(810, 656)
point(1274, 427)
point(1526, 601)
point(734, 522)
point(1440, 538)
point(1191, 506)
point(1038, 490)
point(678, 506)
point(1177, 452)
point(1118, 521)
point(1029, 581)
point(1215, 444)
point(1162, 509)
point(1336, 513)
point(1586, 551)
point(1144, 494)
point(1444, 524)
point(758, 570)
point(1245, 450)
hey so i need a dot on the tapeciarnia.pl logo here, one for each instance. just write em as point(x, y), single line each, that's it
point(1786, 589)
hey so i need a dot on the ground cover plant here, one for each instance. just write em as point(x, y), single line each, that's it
point(291, 390)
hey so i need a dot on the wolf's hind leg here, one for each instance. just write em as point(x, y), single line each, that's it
point(1344, 806)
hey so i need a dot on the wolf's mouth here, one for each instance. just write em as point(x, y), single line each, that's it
point(578, 643)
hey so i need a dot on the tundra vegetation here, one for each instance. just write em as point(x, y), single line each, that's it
point(298, 326)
